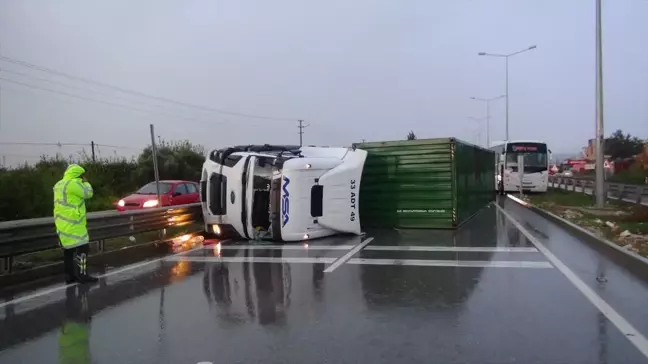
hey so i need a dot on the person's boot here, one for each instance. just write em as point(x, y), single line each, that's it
point(69, 267)
point(69, 278)
point(82, 264)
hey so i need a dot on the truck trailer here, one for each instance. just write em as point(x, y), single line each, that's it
point(424, 183)
point(292, 193)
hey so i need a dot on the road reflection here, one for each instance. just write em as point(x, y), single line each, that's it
point(257, 292)
point(74, 337)
point(441, 287)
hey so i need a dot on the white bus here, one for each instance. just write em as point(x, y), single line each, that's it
point(536, 165)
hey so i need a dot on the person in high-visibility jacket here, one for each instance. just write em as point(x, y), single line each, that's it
point(70, 195)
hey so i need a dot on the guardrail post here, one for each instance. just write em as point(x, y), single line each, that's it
point(6, 265)
point(101, 246)
point(639, 194)
point(621, 188)
point(10, 311)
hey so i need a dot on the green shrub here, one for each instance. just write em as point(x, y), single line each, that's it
point(26, 191)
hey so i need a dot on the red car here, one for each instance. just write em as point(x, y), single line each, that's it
point(171, 193)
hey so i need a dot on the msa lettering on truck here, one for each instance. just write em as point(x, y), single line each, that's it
point(353, 200)
point(285, 202)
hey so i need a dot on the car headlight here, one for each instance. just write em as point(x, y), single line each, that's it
point(150, 203)
point(121, 203)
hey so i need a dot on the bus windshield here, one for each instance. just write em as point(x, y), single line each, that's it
point(530, 159)
point(535, 156)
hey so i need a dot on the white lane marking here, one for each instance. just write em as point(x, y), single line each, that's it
point(468, 249)
point(369, 261)
point(113, 272)
point(453, 263)
point(521, 202)
point(308, 260)
point(347, 256)
point(413, 248)
point(284, 247)
point(626, 328)
point(36, 294)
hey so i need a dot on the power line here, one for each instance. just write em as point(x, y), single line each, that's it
point(41, 144)
point(138, 93)
point(58, 144)
point(112, 103)
point(69, 86)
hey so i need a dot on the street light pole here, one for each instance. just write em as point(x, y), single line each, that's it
point(507, 101)
point(506, 57)
point(479, 130)
point(600, 173)
point(487, 101)
point(487, 124)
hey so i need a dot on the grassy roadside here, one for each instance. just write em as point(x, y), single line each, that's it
point(33, 260)
point(623, 223)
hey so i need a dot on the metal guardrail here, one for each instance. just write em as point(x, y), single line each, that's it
point(28, 236)
point(636, 194)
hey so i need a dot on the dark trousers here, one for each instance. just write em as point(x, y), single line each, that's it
point(75, 262)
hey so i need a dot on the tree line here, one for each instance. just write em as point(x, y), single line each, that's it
point(621, 146)
point(26, 191)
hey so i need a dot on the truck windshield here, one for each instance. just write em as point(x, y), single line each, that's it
point(262, 175)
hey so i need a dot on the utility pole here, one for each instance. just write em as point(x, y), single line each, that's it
point(600, 141)
point(155, 164)
point(301, 127)
point(92, 145)
point(0, 100)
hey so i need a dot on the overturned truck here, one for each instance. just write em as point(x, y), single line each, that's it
point(292, 193)
point(281, 192)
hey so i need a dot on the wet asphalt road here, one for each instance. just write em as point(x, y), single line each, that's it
point(483, 294)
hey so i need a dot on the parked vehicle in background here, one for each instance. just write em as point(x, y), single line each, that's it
point(172, 193)
point(536, 165)
point(553, 170)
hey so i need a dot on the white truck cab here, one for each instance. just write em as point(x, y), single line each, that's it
point(283, 193)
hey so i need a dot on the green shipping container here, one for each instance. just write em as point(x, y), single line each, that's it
point(425, 183)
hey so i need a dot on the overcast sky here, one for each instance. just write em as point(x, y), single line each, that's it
point(359, 69)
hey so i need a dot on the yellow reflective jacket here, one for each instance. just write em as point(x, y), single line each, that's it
point(70, 194)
